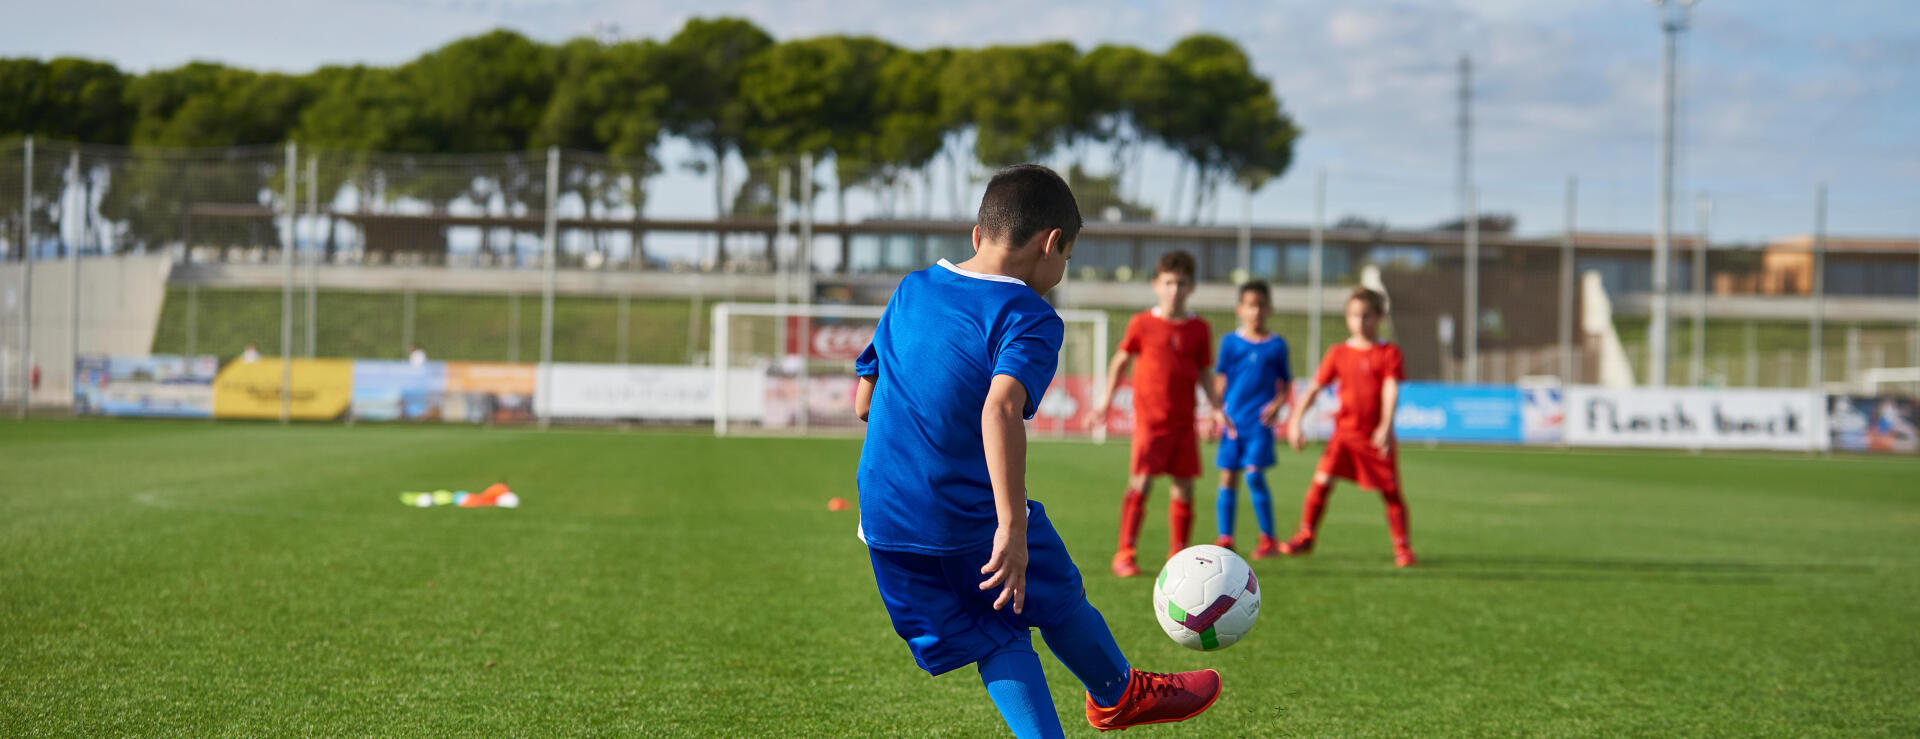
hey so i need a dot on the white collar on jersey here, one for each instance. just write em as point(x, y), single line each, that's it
point(981, 275)
point(1155, 312)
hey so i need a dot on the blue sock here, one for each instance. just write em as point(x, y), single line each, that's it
point(1085, 645)
point(1019, 689)
point(1224, 506)
point(1262, 500)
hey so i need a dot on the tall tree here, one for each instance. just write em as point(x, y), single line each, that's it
point(703, 65)
point(1019, 99)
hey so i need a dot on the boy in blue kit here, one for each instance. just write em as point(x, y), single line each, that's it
point(1255, 382)
point(965, 563)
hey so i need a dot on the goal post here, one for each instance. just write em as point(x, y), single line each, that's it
point(789, 369)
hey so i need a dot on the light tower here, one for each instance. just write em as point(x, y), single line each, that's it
point(1673, 19)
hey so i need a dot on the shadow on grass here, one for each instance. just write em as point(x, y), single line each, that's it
point(1512, 568)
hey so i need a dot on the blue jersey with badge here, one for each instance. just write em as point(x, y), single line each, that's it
point(923, 469)
point(1252, 370)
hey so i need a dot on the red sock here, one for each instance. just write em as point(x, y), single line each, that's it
point(1133, 509)
point(1179, 524)
point(1397, 520)
point(1314, 507)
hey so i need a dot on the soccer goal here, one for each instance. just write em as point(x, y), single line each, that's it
point(788, 369)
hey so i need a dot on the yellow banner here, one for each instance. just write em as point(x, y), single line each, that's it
point(322, 389)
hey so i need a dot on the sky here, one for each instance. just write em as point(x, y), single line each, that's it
point(1779, 96)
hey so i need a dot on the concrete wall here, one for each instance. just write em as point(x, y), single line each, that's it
point(119, 310)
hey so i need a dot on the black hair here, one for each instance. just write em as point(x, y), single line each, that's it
point(1258, 287)
point(1026, 199)
point(1374, 300)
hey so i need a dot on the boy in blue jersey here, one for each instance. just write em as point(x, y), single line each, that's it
point(965, 563)
point(1254, 382)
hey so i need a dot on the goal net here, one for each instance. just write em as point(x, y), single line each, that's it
point(789, 369)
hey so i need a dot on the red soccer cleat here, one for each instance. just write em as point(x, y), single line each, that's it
point(1157, 698)
point(1123, 565)
point(1298, 545)
point(1224, 542)
point(1267, 549)
point(1403, 557)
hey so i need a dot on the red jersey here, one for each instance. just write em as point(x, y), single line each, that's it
point(1361, 373)
point(1170, 355)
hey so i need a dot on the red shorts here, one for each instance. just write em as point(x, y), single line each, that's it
point(1166, 450)
point(1356, 459)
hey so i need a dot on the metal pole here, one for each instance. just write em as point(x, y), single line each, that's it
point(1244, 257)
point(513, 326)
point(286, 288)
point(719, 350)
point(550, 248)
point(1566, 284)
point(1697, 369)
point(1817, 352)
point(806, 281)
point(621, 322)
point(1753, 354)
point(1314, 252)
point(193, 318)
point(406, 320)
point(1464, 171)
point(1470, 330)
point(73, 275)
point(26, 280)
point(1672, 23)
point(782, 216)
point(313, 257)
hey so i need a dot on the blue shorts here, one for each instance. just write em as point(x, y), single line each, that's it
point(937, 605)
point(1253, 450)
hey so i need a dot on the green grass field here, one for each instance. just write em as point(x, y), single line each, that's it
point(247, 580)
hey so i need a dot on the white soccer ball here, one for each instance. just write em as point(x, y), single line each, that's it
point(1206, 598)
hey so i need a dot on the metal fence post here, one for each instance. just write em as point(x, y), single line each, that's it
point(286, 288)
point(513, 326)
point(622, 328)
point(1697, 369)
point(312, 255)
point(26, 280)
point(73, 276)
point(1243, 255)
point(1470, 320)
point(1817, 352)
point(193, 318)
point(1567, 376)
point(1314, 254)
point(550, 247)
point(406, 320)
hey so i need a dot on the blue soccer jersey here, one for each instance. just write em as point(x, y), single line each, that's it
point(946, 334)
point(1253, 369)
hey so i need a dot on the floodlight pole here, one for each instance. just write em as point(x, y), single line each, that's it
point(286, 286)
point(1697, 370)
point(1470, 315)
point(1673, 20)
point(1566, 284)
point(1317, 244)
point(1816, 350)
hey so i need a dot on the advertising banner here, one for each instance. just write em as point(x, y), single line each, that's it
point(829, 339)
point(398, 390)
point(828, 400)
point(161, 385)
point(646, 392)
point(322, 389)
point(489, 392)
point(1542, 414)
point(1696, 418)
point(1873, 424)
point(1430, 411)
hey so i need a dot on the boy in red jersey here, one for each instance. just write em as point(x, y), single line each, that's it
point(1363, 448)
point(1175, 351)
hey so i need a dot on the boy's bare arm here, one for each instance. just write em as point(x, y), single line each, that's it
point(1299, 412)
point(1004, 434)
point(1216, 391)
point(1389, 400)
point(1282, 393)
point(1116, 371)
point(863, 397)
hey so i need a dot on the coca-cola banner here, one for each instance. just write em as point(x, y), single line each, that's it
point(828, 339)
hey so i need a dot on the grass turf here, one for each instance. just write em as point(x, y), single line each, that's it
point(236, 579)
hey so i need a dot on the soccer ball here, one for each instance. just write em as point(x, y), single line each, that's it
point(1206, 598)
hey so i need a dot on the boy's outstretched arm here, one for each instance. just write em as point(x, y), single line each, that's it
point(1004, 434)
point(1116, 371)
point(1389, 400)
point(1216, 392)
point(863, 397)
point(1299, 412)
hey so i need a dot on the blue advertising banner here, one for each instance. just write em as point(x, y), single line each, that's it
point(393, 391)
point(1439, 412)
point(162, 385)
